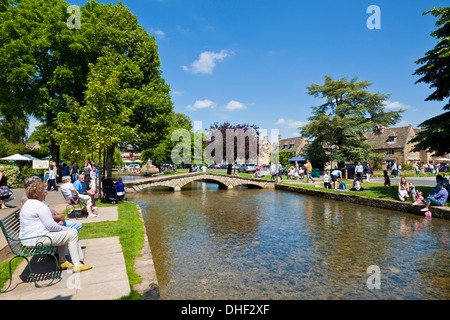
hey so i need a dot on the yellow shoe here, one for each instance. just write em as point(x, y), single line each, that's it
point(65, 264)
point(84, 267)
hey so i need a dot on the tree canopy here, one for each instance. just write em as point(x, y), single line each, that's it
point(435, 71)
point(242, 141)
point(56, 73)
point(354, 110)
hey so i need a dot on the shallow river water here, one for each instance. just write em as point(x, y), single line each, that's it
point(267, 244)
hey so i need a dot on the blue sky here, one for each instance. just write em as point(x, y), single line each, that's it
point(250, 61)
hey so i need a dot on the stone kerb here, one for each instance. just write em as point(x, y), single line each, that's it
point(176, 182)
point(438, 212)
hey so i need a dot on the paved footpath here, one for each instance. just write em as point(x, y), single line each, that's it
point(105, 281)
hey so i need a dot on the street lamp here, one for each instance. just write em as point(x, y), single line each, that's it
point(330, 118)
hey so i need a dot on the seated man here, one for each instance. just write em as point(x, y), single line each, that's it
point(69, 190)
point(438, 199)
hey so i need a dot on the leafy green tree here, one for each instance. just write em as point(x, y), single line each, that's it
point(435, 71)
point(14, 126)
point(284, 157)
point(100, 123)
point(316, 155)
point(43, 63)
point(40, 134)
point(354, 110)
point(128, 50)
point(161, 153)
point(41, 59)
point(244, 137)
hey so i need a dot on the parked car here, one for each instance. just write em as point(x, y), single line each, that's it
point(247, 168)
point(136, 167)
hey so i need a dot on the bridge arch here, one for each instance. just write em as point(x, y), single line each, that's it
point(176, 182)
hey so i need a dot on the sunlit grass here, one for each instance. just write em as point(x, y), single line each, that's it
point(371, 189)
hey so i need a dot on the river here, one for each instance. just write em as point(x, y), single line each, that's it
point(209, 243)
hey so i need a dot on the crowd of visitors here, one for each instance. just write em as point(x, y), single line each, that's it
point(438, 195)
point(437, 168)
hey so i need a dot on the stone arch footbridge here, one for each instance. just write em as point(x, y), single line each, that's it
point(176, 181)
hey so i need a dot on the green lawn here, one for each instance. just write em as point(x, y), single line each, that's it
point(375, 190)
point(129, 228)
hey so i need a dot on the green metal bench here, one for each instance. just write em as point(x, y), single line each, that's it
point(75, 204)
point(11, 227)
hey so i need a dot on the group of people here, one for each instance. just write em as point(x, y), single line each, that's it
point(39, 225)
point(420, 167)
point(90, 171)
point(437, 197)
point(81, 191)
point(335, 177)
point(295, 171)
point(393, 168)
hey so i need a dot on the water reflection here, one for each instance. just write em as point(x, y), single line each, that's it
point(259, 244)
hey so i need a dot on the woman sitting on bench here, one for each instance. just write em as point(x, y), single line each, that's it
point(36, 220)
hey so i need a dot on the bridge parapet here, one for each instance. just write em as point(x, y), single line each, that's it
point(176, 181)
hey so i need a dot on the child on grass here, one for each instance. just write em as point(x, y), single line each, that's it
point(387, 181)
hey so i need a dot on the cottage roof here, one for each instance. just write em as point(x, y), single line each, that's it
point(390, 138)
point(292, 144)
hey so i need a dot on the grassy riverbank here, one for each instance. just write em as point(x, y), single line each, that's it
point(371, 189)
point(130, 229)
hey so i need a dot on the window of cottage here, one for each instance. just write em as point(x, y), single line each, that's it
point(391, 139)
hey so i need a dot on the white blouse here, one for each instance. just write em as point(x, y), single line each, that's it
point(36, 220)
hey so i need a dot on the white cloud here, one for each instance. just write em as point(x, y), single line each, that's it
point(235, 105)
point(202, 104)
point(290, 124)
point(207, 61)
point(395, 105)
point(157, 32)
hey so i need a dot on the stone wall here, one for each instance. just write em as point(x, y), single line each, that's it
point(438, 212)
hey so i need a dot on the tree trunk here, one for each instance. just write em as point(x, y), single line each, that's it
point(109, 161)
point(54, 147)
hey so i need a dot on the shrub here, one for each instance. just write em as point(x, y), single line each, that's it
point(13, 175)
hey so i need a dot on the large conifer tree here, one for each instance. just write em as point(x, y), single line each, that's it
point(435, 71)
